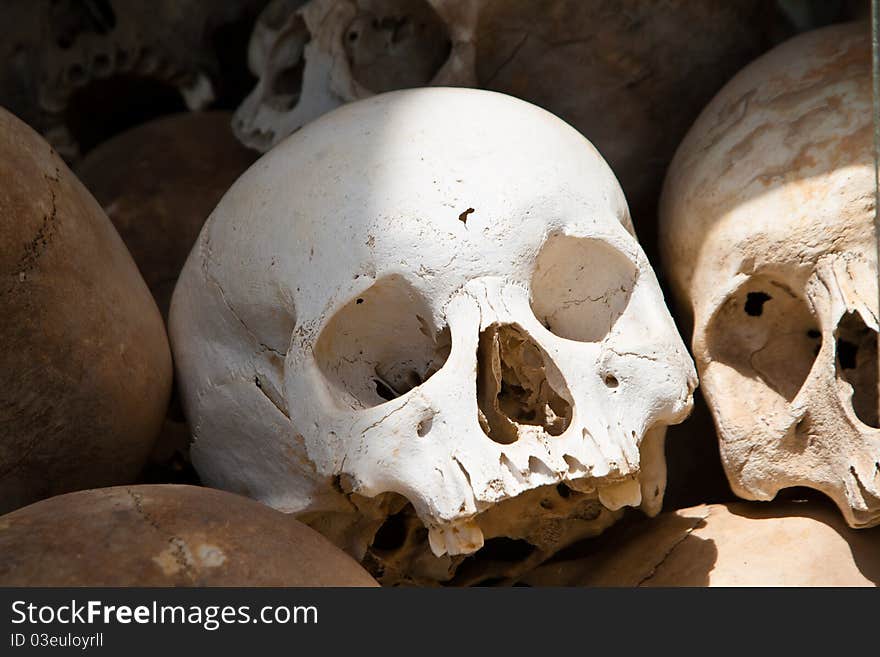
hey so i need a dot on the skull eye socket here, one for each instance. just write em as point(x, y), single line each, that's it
point(580, 287)
point(381, 344)
point(399, 44)
point(287, 63)
point(857, 364)
point(765, 331)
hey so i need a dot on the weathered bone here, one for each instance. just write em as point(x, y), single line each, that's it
point(460, 328)
point(767, 232)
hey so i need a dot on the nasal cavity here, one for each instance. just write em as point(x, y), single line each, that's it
point(519, 389)
point(857, 364)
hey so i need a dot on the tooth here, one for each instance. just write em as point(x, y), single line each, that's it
point(623, 493)
point(462, 537)
point(581, 485)
point(199, 93)
point(437, 541)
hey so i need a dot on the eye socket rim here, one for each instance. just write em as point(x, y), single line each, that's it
point(774, 284)
point(329, 361)
point(624, 258)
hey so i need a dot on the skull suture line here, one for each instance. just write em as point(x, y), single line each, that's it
point(767, 226)
point(431, 297)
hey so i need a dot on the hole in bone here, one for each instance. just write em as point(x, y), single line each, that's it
point(857, 364)
point(229, 43)
point(611, 381)
point(772, 346)
point(396, 44)
point(101, 63)
point(580, 287)
point(802, 428)
point(518, 386)
point(69, 20)
point(393, 533)
point(385, 391)
point(383, 347)
point(537, 466)
point(76, 74)
point(286, 65)
point(424, 426)
point(502, 548)
point(754, 304)
point(287, 83)
point(106, 107)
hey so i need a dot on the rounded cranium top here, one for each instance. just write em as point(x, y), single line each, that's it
point(430, 297)
point(767, 226)
point(614, 69)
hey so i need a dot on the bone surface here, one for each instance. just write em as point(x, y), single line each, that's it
point(85, 361)
point(740, 544)
point(423, 325)
point(766, 222)
point(165, 536)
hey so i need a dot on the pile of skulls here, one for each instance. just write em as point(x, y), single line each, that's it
point(419, 332)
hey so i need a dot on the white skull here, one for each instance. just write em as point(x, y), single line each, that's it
point(431, 297)
point(767, 234)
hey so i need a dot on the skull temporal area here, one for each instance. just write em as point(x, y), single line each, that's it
point(430, 299)
point(766, 219)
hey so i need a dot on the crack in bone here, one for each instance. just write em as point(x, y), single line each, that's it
point(206, 260)
point(277, 404)
point(177, 547)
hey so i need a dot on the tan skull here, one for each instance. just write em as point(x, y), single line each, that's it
point(767, 236)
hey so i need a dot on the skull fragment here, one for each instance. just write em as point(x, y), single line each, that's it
point(82, 70)
point(767, 237)
point(423, 325)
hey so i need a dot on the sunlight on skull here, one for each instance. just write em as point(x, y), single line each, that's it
point(765, 332)
point(419, 411)
point(380, 346)
point(767, 235)
point(580, 287)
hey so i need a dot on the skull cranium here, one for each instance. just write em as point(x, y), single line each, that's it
point(767, 229)
point(430, 303)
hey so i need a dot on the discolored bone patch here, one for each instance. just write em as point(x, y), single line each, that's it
point(165, 536)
